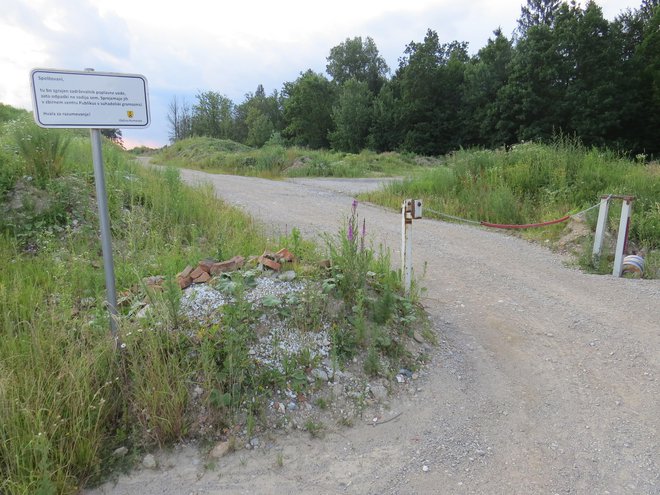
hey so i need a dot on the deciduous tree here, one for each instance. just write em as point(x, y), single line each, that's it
point(431, 80)
point(308, 103)
point(485, 76)
point(212, 115)
point(352, 116)
point(359, 60)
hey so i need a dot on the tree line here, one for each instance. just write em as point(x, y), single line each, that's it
point(566, 69)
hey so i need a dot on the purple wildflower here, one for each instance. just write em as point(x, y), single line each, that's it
point(350, 231)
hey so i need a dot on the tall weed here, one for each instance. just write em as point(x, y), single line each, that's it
point(533, 183)
point(43, 150)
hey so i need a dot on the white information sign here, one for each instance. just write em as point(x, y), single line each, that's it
point(92, 100)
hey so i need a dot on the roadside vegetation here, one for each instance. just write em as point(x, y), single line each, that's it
point(70, 395)
point(533, 183)
point(274, 160)
point(527, 183)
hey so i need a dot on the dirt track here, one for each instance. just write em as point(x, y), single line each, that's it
point(546, 379)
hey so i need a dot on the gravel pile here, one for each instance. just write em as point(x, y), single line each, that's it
point(202, 303)
point(282, 343)
point(267, 286)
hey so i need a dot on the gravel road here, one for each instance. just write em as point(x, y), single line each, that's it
point(545, 380)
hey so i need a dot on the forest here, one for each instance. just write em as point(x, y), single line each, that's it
point(566, 70)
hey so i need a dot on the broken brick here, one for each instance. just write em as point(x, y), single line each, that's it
point(227, 266)
point(153, 281)
point(186, 272)
point(273, 265)
point(285, 255)
point(184, 282)
point(206, 265)
point(196, 273)
point(154, 284)
point(203, 278)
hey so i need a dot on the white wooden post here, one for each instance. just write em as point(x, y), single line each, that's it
point(600, 227)
point(622, 238)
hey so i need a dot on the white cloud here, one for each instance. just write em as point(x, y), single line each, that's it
point(229, 47)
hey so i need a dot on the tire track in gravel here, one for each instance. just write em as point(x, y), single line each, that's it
point(546, 379)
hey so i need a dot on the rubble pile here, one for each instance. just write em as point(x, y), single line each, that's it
point(207, 269)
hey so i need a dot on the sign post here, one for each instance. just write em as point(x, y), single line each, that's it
point(410, 209)
point(93, 100)
point(106, 235)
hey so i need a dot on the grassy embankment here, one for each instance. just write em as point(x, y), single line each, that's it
point(274, 160)
point(534, 183)
point(68, 397)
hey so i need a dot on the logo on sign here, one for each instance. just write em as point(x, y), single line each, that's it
point(130, 114)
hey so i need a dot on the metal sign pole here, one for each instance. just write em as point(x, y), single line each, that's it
point(406, 246)
point(106, 236)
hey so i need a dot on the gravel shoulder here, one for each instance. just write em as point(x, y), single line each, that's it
point(545, 379)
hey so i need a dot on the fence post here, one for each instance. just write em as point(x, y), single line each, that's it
point(600, 227)
point(410, 209)
point(622, 238)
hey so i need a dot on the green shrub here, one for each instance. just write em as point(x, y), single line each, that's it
point(351, 260)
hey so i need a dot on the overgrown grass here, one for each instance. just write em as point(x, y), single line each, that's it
point(67, 399)
point(70, 395)
point(43, 151)
point(274, 160)
point(534, 183)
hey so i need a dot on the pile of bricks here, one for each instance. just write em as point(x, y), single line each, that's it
point(274, 261)
point(206, 269)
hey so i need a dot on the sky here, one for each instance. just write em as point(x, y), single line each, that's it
point(184, 47)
